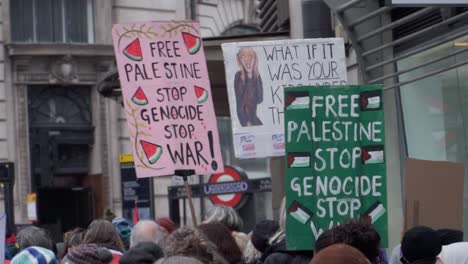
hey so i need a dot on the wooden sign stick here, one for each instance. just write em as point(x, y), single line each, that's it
point(188, 189)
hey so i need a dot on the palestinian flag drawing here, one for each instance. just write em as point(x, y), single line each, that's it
point(298, 160)
point(373, 214)
point(297, 100)
point(152, 151)
point(371, 100)
point(373, 154)
point(300, 212)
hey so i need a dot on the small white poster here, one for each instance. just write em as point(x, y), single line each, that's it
point(257, 72)
point(32, 208)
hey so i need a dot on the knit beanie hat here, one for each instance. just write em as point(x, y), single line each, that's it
point(262, 234)
point(35, 255)
point(124, 228)
point(167, 224)
point(142, 253)
point(179, 260)
point(421, 243)
point(339, 254)
point(89, 254)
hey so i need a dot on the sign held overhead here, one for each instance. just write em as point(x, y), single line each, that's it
point(335, 160)
point(257, 72)
point(167, 97)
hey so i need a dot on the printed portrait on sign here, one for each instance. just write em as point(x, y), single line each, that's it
point(248, 88)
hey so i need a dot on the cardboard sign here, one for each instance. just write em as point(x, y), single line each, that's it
point(167, 97)
point(257, 72)
point(434, 194)
point(335, 161)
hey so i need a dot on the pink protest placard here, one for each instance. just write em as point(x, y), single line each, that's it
point(167, 97)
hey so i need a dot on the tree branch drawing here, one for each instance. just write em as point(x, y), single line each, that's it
point(138, 132)
point(134, 32)
point(175, 27)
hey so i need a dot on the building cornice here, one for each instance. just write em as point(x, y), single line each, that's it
point(57, 49)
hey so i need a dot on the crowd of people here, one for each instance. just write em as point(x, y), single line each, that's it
point(219, 240)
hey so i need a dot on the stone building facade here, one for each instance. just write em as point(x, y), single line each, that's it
point(61, 134)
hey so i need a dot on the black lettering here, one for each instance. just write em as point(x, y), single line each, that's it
point(334, 67)
point(154, 66)
point(152, 48)
point(269, 56)
point(128, 68)
point(196, 70)
point(274, 75)
point(176, 155)
point(161, 96)
point(275, 94)
point(296, 69)
point(191, 129)
point(190, 155)
point(183, 91)
point(138, 73)
point(199, 149)
point(168, 133)
point(144, 116)
point(154, 114)
point(176, 48)
point(169, 74)
point(160, 47)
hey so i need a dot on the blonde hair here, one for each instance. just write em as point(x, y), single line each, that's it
point(252, 52)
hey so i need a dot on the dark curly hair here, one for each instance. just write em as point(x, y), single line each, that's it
point(190, 243)
point(356, 233)
point(221, 236)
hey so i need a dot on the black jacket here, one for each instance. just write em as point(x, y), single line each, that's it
point(277, 254)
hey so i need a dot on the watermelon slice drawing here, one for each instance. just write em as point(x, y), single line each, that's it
point(133, 50)
point(193, 43)
point(152, 151)
point(139, 97)
point(202, 94)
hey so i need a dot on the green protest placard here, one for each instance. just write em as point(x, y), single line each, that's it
point(335, 169)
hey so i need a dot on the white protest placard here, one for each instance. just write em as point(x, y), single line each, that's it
point(257, 72)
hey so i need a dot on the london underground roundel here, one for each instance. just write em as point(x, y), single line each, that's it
point(228, 188)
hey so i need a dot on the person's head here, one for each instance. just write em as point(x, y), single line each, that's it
point(32, 255)
point(103, 233)
point(179, 260)
point(124, 228)
point(224, 215)
point(34, 236)
point(251, 254)
point(143, 253)
point(247, 60)
point(324, 240)
point(449, 236)
point(147, 231)
point(262, 233)
point(361, 235)
point(221, 236)
point(339, 254)
point(72, 239)
point(420, 244)
point(191, 243)
point(88, 254)
point(167, 224)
